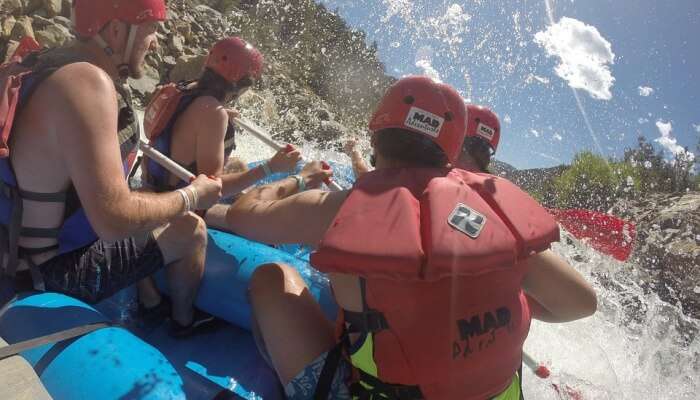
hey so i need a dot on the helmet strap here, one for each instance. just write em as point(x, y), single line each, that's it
point(123, 64)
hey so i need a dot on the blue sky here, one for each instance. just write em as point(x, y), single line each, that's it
point(635, 65)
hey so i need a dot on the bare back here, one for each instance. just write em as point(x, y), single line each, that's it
point(50, 150)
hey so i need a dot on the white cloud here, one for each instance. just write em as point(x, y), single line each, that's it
point(645, 91)
point(584, 56)
point(668, 142)
point(642, 121)
point(535, 133)
point(558, 137)
point(696, 127)
point(507, 119)
point(665, 128)
point(424, 57)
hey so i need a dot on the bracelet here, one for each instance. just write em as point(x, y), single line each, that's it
point(266, 168)
point(195, 197)
point(186, 200)
point(301, 185)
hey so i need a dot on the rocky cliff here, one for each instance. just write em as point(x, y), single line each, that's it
point(321, 78)
point(667, 250)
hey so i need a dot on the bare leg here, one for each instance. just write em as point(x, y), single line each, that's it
point(148, 294)
point(293, 327)
point(183, 243)
point(216, 217)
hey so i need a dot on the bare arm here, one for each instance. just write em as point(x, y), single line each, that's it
point(558, 293)
point(284, 160)
point(84, 114)
point(236, 182)
point(359, 166)
point(277, 214)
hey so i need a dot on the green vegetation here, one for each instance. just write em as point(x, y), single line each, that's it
point(321, 51)
point(596, 183)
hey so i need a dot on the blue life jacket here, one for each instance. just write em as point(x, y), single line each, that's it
point(156, 177)
point(75, 231)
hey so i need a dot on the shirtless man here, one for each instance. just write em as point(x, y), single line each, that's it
point(69, 148)
point(368, 241)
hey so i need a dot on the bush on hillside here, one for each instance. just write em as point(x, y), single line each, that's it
point(321, 50)
point(594, 183)
point(658, 175)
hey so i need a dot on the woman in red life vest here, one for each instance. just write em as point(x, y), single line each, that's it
point(188, 121)
point(431, 267)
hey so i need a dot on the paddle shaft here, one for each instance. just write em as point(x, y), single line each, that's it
point(173, 167)
point(265, 138)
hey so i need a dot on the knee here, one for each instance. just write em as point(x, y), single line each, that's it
point(191, 232)
point(274, 278)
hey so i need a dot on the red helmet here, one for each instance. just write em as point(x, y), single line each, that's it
point(483, 123)
point(234, 59)
point(419, 104)
point(89, 16)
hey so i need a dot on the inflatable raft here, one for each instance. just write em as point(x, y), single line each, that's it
point(131, 360)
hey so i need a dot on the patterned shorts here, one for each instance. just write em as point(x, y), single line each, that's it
point(303, 385)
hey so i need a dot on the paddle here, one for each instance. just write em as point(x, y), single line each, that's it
point(173, 167)
point(565, 392)
point(265, 138)
point(605, 233)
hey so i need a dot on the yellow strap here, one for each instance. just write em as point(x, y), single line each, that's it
point(363, 357)
point(512, 392)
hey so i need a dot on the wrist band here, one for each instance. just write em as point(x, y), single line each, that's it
point(185, 199)
point(195, 197)
point(266, 168)
point(301, 185)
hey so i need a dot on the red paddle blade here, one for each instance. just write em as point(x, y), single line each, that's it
point(605, 233)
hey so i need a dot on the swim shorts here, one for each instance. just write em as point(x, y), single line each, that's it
point(303, 386)
point(95, 272)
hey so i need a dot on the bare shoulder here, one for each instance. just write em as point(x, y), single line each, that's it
point(82, 79)
point(207, 108)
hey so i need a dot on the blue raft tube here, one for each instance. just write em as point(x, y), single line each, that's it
point(133, 361)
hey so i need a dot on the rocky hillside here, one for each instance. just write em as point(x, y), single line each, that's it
point(321, 78)
point(667, 250)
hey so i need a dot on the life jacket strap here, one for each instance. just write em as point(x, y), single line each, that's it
point(57, 197)
point(330, 366)
point(50, 233)
point(369, 321)
point(369, 387)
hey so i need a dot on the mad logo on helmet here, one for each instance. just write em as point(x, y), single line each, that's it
point(424, 121)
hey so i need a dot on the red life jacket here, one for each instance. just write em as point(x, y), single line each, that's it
point(439, 255)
